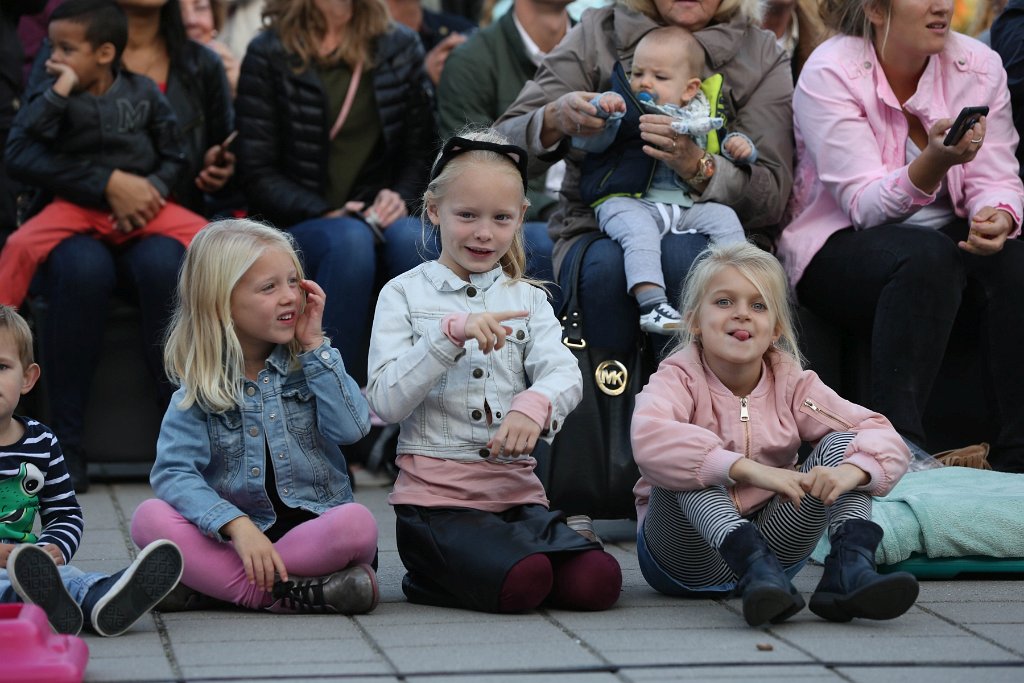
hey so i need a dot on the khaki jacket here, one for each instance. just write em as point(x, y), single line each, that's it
point(757, 100)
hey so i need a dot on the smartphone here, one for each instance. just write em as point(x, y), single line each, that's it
point(967, 117)
point(371, 220)
point(221, 159)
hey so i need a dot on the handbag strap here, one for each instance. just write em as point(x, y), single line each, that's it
point(353, 86)
point(572, 313)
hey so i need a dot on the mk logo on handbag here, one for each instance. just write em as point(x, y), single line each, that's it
point(611, 377)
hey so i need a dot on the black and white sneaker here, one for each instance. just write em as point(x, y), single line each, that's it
point(36, 579)
point(662, 319)
point(117, 602)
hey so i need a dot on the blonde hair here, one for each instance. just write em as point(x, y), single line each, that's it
point(202, 352)
point(513, 263)
point(748, 10)
point(301, 26)
point(21, 334)
point(762, 269)
point(850, 18)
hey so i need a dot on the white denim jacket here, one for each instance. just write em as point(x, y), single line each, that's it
point(437, 389)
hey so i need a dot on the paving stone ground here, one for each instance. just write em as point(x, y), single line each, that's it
point(962, 630)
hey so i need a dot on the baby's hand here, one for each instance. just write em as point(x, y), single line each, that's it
point(487, 329)
point(828, 483)
point(516, 436)
point(611, 102)
point(67, 79)
point(737, 147)
point(309, 328)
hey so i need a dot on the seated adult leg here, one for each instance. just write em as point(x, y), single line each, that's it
point(901, 286)
point(338, 253)
point(152, 266)
point(407, 246)
point(76, 282)
point(1001, 277)
point(610, 314)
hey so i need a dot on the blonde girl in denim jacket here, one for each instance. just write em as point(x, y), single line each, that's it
point(722, 503)
point(467, 356)
point(249, 479)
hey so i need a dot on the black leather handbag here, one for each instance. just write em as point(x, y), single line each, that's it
point(589, 467)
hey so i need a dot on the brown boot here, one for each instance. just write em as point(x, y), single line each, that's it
point(350, 591)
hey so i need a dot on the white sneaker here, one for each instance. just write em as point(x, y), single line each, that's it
point(662, 319)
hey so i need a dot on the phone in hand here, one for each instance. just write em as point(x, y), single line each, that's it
point(221, 158)
point(967, 117)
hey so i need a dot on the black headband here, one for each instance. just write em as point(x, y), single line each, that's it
point(456, 146)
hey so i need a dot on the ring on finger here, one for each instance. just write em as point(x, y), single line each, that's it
point(977, 140)
point(579, 127)
point(673, 147)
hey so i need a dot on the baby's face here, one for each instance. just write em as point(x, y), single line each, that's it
point(662, 71)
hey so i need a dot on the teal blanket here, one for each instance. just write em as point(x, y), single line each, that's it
point(949, 512)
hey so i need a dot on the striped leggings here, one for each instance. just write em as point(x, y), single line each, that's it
point(683, 529)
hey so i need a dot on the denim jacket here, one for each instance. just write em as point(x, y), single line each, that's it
point(437, 389)
point(210, 466)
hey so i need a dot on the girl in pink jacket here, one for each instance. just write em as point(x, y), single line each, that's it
point(721, 502)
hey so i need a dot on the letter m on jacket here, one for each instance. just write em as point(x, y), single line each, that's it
point(131, 116)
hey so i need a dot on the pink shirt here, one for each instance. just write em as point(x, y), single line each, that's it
point(851, 139)
point(689, 430)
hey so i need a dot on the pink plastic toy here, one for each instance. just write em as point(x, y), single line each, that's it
point(30, 650)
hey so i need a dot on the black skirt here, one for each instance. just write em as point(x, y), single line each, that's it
point(459, 557)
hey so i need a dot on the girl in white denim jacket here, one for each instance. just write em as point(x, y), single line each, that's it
point(467, 356)
point(722, 503)
point(249, 479)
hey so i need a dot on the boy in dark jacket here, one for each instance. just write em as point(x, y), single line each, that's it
point(93, 116)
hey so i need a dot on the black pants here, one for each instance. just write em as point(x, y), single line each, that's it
point(903, 286)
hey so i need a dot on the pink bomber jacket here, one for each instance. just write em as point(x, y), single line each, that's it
point(851, 140)
point(688, 429)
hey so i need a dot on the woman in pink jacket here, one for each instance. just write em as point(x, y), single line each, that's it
point(890, 227)
point(715, 435)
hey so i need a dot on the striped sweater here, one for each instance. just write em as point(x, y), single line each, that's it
point(60, 513)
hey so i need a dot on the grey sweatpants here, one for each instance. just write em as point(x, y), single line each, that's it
point(639, 224)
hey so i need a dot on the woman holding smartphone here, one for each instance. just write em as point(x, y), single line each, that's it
point(889, 225)
point(336, 121)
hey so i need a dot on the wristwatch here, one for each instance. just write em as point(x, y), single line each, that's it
point(705, 169)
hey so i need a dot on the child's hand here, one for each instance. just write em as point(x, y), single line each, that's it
point(516, 436)
point(487, 329)
point(133, 200)
point(785, 482)
point(309, 328)
point(5, 551)
point(259, 557)
point(828, 483)
point(67, 79)
point(612, 102)
point(737, 147)
point(54, 552)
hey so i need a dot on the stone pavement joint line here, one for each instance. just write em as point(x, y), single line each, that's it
point(964, 630)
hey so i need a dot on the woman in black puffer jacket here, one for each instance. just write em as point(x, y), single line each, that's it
point(332, 174)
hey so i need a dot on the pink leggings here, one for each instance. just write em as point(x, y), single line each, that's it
point(343, 536)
